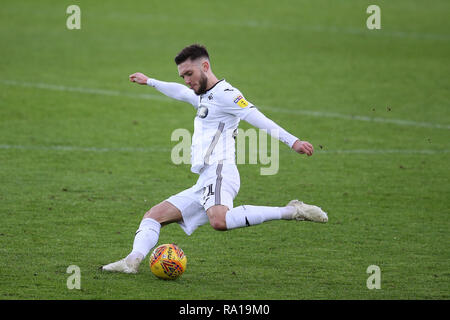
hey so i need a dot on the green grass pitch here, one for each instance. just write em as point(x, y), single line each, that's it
point(84, 153)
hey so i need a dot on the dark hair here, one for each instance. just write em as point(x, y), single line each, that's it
point(192, 52)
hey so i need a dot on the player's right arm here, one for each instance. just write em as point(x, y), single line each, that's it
point(171, 89)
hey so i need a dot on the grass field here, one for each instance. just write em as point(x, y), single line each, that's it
point(84, 153)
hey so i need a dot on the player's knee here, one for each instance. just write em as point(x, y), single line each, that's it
point(156, 214)
point(218, 224)
point(164, 213)
point(150, 213)
point(216, 215)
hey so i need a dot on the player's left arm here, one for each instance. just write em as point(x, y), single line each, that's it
point(257, 119)
point(303, 147)
point(236, 104)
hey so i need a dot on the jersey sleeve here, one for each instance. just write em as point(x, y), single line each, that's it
point(175, 91)
point(233, 102)
point(259, 120)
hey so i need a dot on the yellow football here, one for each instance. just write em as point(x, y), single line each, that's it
point(168, 261)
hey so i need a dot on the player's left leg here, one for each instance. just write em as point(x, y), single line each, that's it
point(247, 215)
point(218, 200)
point(221, 218)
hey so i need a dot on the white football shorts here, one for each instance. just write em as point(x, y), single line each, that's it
point(217, 184)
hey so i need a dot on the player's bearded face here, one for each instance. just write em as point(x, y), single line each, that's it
point(202, 84)
point(194, 76)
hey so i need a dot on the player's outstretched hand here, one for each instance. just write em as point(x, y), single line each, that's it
point(303, 147)
point(138, 78)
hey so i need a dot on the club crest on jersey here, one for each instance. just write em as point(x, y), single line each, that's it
point(241, 102)
point(202, 112)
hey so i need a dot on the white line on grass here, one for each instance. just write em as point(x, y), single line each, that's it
point(84, 149)
point(319, 114)
point(164, 149)
point(104, 92)
point(380, 151)
point(352, 31)
point(289, 27)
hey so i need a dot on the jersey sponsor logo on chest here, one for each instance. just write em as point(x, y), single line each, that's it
point(202, 112)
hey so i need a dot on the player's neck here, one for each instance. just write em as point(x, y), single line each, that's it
point(212, 81)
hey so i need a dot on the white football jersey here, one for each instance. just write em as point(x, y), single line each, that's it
point(219, 111)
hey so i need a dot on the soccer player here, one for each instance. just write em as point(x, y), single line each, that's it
point(220, 107)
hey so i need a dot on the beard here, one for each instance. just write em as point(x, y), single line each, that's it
point(202, 85)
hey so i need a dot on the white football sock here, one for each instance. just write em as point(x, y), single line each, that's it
point(146, 238)
point(244, 216)
point(287, 212)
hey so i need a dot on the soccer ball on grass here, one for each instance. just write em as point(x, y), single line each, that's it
point(168, 261)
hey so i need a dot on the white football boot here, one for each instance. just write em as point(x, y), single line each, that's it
point(307, 212)
point(124, 266)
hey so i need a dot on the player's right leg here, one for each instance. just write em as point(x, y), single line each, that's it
point(146, 237)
